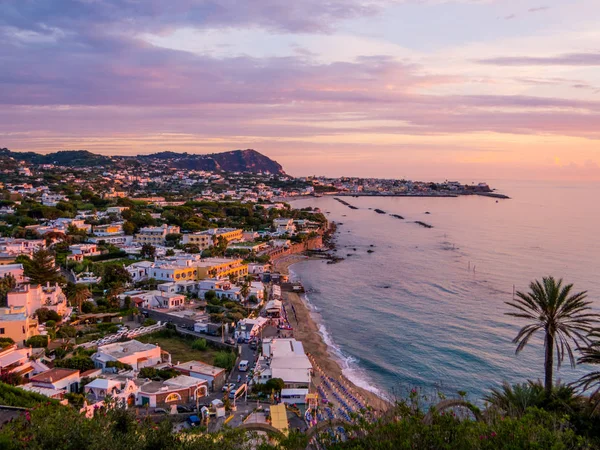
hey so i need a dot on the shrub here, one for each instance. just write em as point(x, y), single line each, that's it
point(37, 341)
point(87, 307)
point(200, 344)
point(45, 314)
point(79, 362)
point(6, 342)
point(118, 365)
point(149, 322)
point(224, 359)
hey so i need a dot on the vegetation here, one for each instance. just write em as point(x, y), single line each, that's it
point(225, 359)
point(41, 269)
point(12, 396)
point(37, 341)
point(157, 374)
point(45, 314)
point(564, 318)
point(180, 347)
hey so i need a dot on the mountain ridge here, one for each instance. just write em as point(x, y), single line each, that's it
point(249, 160)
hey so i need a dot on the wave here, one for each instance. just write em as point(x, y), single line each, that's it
point(349, 365)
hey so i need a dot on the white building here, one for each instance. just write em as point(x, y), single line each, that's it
point(134, 353)
point(223, 289)
point(287, 361)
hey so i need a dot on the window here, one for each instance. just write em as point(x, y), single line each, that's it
point(172, 397)
point(1, 330)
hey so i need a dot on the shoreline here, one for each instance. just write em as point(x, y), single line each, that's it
point(307, 331)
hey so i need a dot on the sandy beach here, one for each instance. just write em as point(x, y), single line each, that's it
point(307, 331)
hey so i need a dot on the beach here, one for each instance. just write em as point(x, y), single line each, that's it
point(307, 331)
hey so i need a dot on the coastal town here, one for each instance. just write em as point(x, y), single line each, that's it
point(117, 294)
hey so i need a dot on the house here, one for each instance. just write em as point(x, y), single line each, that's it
point(122, 390)
point(21, 361)
point(49, 199)
point(15, 270)
point(273, 308)
point(250, 328)
point(139, 270)
point(133, 353)
point(16, 247)
point(55, 383)
point(205, 239)
point(285, 359)
point(284, 226)
point(35, 296)
point(155, 235)
point(258, 269)
point(17, 324)
point(110, 229)
point(223, 289)
point(174, 391)
point(116, 239)
point(80, 251)
point(215, 376)
point(154, 299)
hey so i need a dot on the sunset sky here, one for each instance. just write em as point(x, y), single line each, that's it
point(467, 89)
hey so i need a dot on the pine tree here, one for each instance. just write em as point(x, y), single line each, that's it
point(41, 269)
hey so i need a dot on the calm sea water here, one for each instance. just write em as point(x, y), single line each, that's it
point(426, 308)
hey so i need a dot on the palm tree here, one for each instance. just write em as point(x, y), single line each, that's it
point(591, 355)
point(564, 318)
point(79, 294)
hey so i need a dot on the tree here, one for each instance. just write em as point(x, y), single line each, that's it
point(225, 360)
point(564, 318)
point(148, 251)
point(591, 355)
point(275, 384)
point(129, 228)
point(78, 294)
point(245, 290)
point(37, 341)
point(7, 283)
point(115, 274)
point(41, 269)
point(45, 314)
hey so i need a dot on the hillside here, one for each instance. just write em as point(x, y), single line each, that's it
point(68, 158)
point(231, 161)
point(249, 161)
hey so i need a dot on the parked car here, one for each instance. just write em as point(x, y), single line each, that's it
point(183, 409)
point(160, 411)
point(193, 421)
point(228, 387)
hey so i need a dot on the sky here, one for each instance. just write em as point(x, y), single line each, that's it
point(427, 89)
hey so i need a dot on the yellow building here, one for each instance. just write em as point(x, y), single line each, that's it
point(221, 268)
point(155, 235)
point(205, 239)
point(16, 324)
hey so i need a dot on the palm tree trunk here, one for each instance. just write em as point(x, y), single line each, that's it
point(549, 363)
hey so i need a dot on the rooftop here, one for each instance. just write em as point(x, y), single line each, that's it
point(53, 375)
point(199, 367)
point(121, 349)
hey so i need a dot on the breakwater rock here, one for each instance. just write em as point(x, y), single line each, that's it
point(423, 224)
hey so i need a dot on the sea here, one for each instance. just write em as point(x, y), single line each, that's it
point(425, 309)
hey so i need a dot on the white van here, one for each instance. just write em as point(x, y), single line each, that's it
point(243, 367)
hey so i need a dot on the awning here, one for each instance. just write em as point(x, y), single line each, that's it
point(279, 417)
